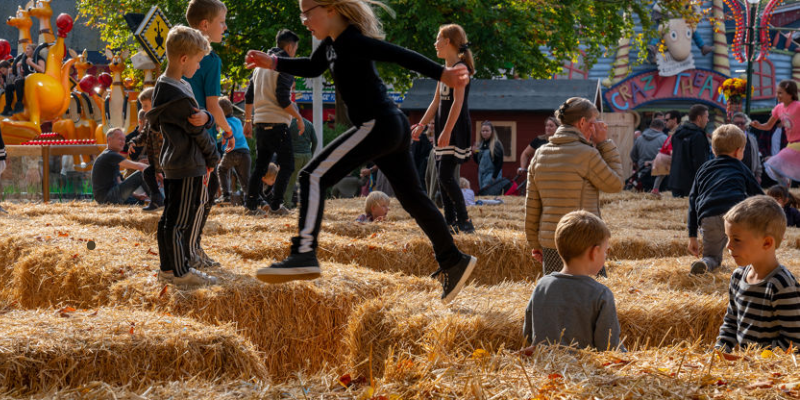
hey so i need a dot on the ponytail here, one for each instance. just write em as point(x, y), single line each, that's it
point(458, 38)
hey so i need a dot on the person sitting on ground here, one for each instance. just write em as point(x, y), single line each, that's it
point(570, 307)
point(469, 195)
point(764, 305)
point(689, 151)
point(237, 159)
point(789, 203)
point(645, 149)
point(719, 185)
point(376, 206)
point(567, 174)
point(108, 187)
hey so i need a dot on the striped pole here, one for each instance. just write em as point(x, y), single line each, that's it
point(722, 63)
point(621, 62)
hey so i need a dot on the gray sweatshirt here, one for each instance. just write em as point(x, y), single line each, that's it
point(572, 310)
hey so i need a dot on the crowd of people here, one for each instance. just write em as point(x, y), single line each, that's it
point(566, 169)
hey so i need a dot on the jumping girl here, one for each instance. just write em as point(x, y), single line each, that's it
point(785, 166)
point(351, 41)
point(450, 111)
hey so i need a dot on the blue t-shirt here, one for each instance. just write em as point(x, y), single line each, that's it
point(206, 82)
point(238, 134)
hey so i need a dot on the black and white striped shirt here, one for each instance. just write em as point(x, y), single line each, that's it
point(764, 314)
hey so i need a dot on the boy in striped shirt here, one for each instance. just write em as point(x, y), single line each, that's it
point(764, 306)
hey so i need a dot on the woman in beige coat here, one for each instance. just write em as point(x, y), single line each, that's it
point(567, 174)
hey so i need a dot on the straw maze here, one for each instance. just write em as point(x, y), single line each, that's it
point(79, 323)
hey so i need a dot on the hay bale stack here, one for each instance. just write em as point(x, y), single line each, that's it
point(45, 349)
point(297, 326)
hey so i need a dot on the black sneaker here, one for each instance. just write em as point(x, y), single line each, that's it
point(7, 112)
point(153, 206)
point(299, 266)
point(466, 227)
point(454, 278)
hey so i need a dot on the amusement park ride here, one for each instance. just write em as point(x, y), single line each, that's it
point(78, 109)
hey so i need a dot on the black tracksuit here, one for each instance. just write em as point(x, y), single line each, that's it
point(690, 150)
point(381, 133)
point(185, 156)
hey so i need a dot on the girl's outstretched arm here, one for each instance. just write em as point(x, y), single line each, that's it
point(306, 67)
point(383, 51)
point(764, 127)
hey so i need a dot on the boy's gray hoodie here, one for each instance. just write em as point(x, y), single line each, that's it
point(187, 149)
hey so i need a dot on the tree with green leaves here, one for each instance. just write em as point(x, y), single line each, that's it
point(527, 38)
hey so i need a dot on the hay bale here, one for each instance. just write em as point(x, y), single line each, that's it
point(45, 349)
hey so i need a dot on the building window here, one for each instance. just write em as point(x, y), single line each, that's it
point(764, 80)
point(574, 70)
point(507, 134)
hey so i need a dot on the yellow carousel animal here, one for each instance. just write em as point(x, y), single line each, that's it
point(47, 95)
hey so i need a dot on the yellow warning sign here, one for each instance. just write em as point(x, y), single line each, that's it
point(152, 34)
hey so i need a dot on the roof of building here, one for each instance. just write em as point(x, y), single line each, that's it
point(510, 95)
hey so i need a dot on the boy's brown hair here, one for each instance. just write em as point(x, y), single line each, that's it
point(200, 10)
point(727, 139)
point(761, 215)
point(578, 231)
point(185, 41)
point(226, 105)
point(146, 95)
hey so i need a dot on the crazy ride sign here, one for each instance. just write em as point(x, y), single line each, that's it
point(697, 85)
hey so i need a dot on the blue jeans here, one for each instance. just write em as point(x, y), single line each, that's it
point(121, 193)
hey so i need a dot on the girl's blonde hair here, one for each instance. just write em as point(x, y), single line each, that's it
point(458, 39)
point(492, 140)
point(376, 198)
point(463, 183)
point(574, 109)
point(360, 14)
point(272, 172)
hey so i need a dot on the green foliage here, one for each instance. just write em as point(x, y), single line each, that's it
point(328, 133)
point(508, 36)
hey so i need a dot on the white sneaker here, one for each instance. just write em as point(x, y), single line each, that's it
point(194, 278)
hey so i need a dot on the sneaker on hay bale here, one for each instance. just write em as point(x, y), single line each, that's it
point(193, 279)
point(454, 278)
point(699, 267)
point(298, 266)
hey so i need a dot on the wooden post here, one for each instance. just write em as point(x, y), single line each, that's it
point(46, 177)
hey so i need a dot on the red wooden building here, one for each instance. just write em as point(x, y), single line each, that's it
point(518, 109)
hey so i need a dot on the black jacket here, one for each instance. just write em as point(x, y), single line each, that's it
point(792, 216)
point(690, 150)
point(187, 149)
point(720, 184)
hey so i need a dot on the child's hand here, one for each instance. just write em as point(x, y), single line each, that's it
point(199, 118)
point(258, 59)
point(248, 129)
point(694, 247)
point(160, 179)
point(455, 77)
point(416, 130)
point(207, 175)
point(444, 140)
point(537, 254)
point(231, 144)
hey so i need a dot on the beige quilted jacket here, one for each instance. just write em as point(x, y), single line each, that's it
point(567, 174)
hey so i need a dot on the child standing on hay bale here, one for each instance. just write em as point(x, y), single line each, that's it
point(785, 167)
point(570, 307)
point(764, 306)
point(376, 207)
point(719, 184)
point(789, 203)
point(187, 158)
point(568, 174)
point(380, 133)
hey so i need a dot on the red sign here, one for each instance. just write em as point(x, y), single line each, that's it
point(697, 85)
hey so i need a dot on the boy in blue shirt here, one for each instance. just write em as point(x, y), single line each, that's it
point(208, 16)
point(238, 159)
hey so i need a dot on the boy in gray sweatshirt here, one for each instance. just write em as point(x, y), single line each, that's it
point(571, 307)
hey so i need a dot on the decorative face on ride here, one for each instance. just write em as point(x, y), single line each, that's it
point(678, 38)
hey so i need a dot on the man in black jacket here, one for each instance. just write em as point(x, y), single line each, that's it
point(689, 151)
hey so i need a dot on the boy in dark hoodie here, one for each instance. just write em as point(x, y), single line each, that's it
point(187, 157)
point(720, 184)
